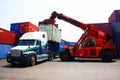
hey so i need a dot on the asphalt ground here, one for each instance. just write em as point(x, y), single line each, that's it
point(57, 70)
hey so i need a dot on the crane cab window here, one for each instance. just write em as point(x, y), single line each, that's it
point(90, 42)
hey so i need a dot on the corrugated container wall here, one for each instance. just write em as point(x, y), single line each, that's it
point(23, 27)
point(4, 49)
point(15, 27)
point(105, 27)
point(116, 27)
point(27, 27)
point(117, 38)
point(115, 16)
point(118, 50)
point(7, 37)
point(53, 33)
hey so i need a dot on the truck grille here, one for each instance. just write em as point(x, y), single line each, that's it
point(15, 53)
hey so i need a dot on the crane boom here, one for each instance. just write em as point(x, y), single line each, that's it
point(91, 28)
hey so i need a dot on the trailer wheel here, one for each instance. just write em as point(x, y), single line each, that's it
point(50, 57)
point(106, 56)
point(32, 61)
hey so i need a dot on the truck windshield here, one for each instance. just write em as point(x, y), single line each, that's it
point(27, 42)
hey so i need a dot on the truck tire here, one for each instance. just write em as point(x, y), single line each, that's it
point(50, 57)
point(13, 64)
point(106, 56)
point(32, 61)
point(65, 56)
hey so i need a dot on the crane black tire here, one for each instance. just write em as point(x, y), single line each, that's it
point(65, 56)
point(32, 61)
point(106, 56)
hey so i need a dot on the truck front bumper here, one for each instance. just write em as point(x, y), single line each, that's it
point(18, 60)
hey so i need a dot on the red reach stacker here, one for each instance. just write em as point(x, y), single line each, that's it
point(99, 45)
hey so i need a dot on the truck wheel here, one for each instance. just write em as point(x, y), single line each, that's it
point(32, 61)
point(13, 64)
point(65, 56)
point(106, 56)
point(50, 57)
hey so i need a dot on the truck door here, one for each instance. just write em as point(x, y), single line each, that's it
point(39, 50)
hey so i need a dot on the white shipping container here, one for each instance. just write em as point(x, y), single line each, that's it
point(53, 33)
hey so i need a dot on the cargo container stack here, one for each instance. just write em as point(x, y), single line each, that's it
point(4, 49)
point(7, 41)
point(23, 27)
point(7, 37)
point(105, 27)
point(114, 19)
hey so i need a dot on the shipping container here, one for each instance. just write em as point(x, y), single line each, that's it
point(118, 50)
point(116, 27)
point(115, 16)
point(7, 37)
point(15, 27)
point(27, 27)
point(105, 27)
point(53, 33)
point(4, 49)
point(117, 38)
point(70, 43)
point(53, 47)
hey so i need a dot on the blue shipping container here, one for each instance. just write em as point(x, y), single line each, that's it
point(117, 38)
point(53, 47)
point(61, 46)
point(70, 43)
point(118, 51)
point(116, 27)
point(15, 27)
point(4, 49)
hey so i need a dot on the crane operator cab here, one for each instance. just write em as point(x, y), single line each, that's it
point(89, 42)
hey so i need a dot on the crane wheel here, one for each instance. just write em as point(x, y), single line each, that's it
point(65, 56)
point(32, 61)
point(106, 56)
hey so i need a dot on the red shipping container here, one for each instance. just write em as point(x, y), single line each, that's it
point(27, 27)
point(115, 16)
point(105, 27)
point(7, 37)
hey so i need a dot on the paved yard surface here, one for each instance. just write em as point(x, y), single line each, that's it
point(56, 70)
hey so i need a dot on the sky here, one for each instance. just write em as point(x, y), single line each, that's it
point(34, 11)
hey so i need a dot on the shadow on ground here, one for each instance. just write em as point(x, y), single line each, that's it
point(22, 66)
point(85, 60)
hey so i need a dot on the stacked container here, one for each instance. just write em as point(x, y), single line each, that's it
point(7, 37)
point(4, 49)
point(23, 27)
point(53, 33)
point(105, 27)
point(27, 27)
point(53, 36)
point(15, 27)
point(114, 19)
point(115, 16)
